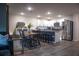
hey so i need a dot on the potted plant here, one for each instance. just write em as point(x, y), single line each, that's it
point(29, 26)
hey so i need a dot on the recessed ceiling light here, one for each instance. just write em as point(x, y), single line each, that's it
point(21, 13)
point(29, 8)
point(59, 15)
point(48, 13)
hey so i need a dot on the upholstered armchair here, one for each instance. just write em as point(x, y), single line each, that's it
point(6, 46)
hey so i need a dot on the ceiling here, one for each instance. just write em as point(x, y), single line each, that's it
point(63, 9)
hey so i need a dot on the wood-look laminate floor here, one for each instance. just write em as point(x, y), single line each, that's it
point(64, 48)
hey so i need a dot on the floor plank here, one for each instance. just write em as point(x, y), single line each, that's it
point(63, 48)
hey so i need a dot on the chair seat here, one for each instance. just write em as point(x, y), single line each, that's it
point(5, 52)
point(4, 47)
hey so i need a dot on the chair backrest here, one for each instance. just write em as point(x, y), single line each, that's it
point(25, 32)
point(21, 33)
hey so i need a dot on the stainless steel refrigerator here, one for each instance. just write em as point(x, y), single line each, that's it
point(68, 30)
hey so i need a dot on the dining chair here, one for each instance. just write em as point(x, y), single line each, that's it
point(34, 39)
point(27, 41)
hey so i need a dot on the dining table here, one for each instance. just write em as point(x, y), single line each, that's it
point(31, 34)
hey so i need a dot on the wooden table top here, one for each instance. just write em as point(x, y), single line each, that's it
point(31, 33)
point(16, 38)
point(27, 34)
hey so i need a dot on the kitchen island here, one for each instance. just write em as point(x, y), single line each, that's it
point(49, 35)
